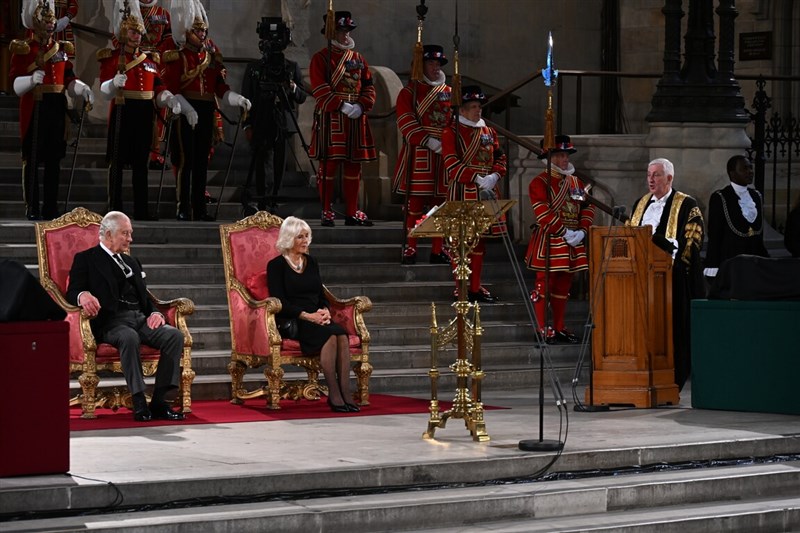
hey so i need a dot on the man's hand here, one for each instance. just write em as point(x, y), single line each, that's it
point(155, 320)
point(574, 237)
point(434, 145)
point(120, 80)
point(356, 111)
point(487, 182)
point(89, 303)
point(346, 108)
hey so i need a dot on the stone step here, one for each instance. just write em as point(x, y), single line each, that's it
point(711, 499)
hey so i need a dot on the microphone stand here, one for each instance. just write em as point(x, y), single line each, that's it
point(541, 444)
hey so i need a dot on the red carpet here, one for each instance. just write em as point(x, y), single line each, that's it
point(223, 412)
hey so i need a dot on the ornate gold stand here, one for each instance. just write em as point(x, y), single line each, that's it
point(461, 224)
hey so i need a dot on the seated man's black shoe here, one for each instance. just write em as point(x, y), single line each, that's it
point(440, 259)
point(162, 411)
point(566, 337)
point(142, 415)
point(482, 296)
point(183, 217)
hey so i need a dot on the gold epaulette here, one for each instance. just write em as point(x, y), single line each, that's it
point(156, 57)
point(68, 47)
point(170, 56)
point(19, 47)
point(104, 53)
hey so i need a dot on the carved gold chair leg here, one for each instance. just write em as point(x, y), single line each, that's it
point(363, 372)
point(274, 378)
point(185, 396)
point(89, 382)
point(236, 369)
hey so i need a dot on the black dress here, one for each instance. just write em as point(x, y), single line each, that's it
point(298, 292)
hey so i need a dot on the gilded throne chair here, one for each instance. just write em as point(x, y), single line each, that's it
point(247, 247)
point(57, 242)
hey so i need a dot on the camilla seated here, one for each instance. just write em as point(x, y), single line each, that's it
point(293, 277)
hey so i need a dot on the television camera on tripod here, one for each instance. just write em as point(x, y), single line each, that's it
point(274, 85)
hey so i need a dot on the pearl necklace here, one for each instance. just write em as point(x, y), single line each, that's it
point(298, 267)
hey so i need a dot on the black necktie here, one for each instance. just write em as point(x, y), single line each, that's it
point(125, 268)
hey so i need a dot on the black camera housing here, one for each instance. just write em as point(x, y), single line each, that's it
point(274, 35)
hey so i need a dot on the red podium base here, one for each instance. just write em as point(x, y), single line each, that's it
point(34, 416)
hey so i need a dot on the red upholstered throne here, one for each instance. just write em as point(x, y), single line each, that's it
point(247, 247)
point(57, 243)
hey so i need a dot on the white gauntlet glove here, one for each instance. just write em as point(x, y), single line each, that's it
point(23, 84)
point(61, 23)
point(167, 99)
point(356, 112)
point(574, 237)
point(346, 108)
point(235, 99)
point(434, 145)
point(187, 110)
point(487, 182)
point(78, 88)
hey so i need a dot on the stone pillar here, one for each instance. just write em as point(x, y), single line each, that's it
point(698, 116)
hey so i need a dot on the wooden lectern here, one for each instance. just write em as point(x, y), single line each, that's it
point(631, 291)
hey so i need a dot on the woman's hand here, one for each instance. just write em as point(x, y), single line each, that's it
point(320, 316)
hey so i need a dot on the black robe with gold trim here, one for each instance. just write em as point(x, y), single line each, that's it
point(681, 220)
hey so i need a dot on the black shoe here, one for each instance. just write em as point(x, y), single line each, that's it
point(143, 415)
point(32, 215)
point(566, 337)
point(440, 259)
point(162, 411)
point(184, 217)
point(359, 219)
point(548, 335)
point(328, 218)
point(338, 408)
point(210, 199)
point(409, 256)
point(351, 407)
point(482, 296)
point(158, 164)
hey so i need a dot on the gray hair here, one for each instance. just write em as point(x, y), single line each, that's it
point(291, 228)
point(669, 168)
point(111, 222)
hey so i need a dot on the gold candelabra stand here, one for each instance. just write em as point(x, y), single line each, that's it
point(461, 224)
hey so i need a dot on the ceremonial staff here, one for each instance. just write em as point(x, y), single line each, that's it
point(416, 77)
point(324, 122)
point(32, 159)
point(86, 107)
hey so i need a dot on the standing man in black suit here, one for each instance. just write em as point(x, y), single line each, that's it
point(735, 218)
point(110, 287)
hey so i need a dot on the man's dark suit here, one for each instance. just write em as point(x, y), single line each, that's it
point(95, 271)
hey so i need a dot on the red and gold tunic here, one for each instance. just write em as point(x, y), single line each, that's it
point(419, 121)
point(64, 8)
point(343, 76)
point(555, 212)
point(30, 55)
point(471, 152)
point(196, 74)
point(141, 68)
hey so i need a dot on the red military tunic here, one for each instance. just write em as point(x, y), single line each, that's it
point(419, 121)
point(57, 67)
point(472, 152)
point(555, 212)
point(64, 8)
point(143, 83)
point(196, 74)
point(343, 76)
